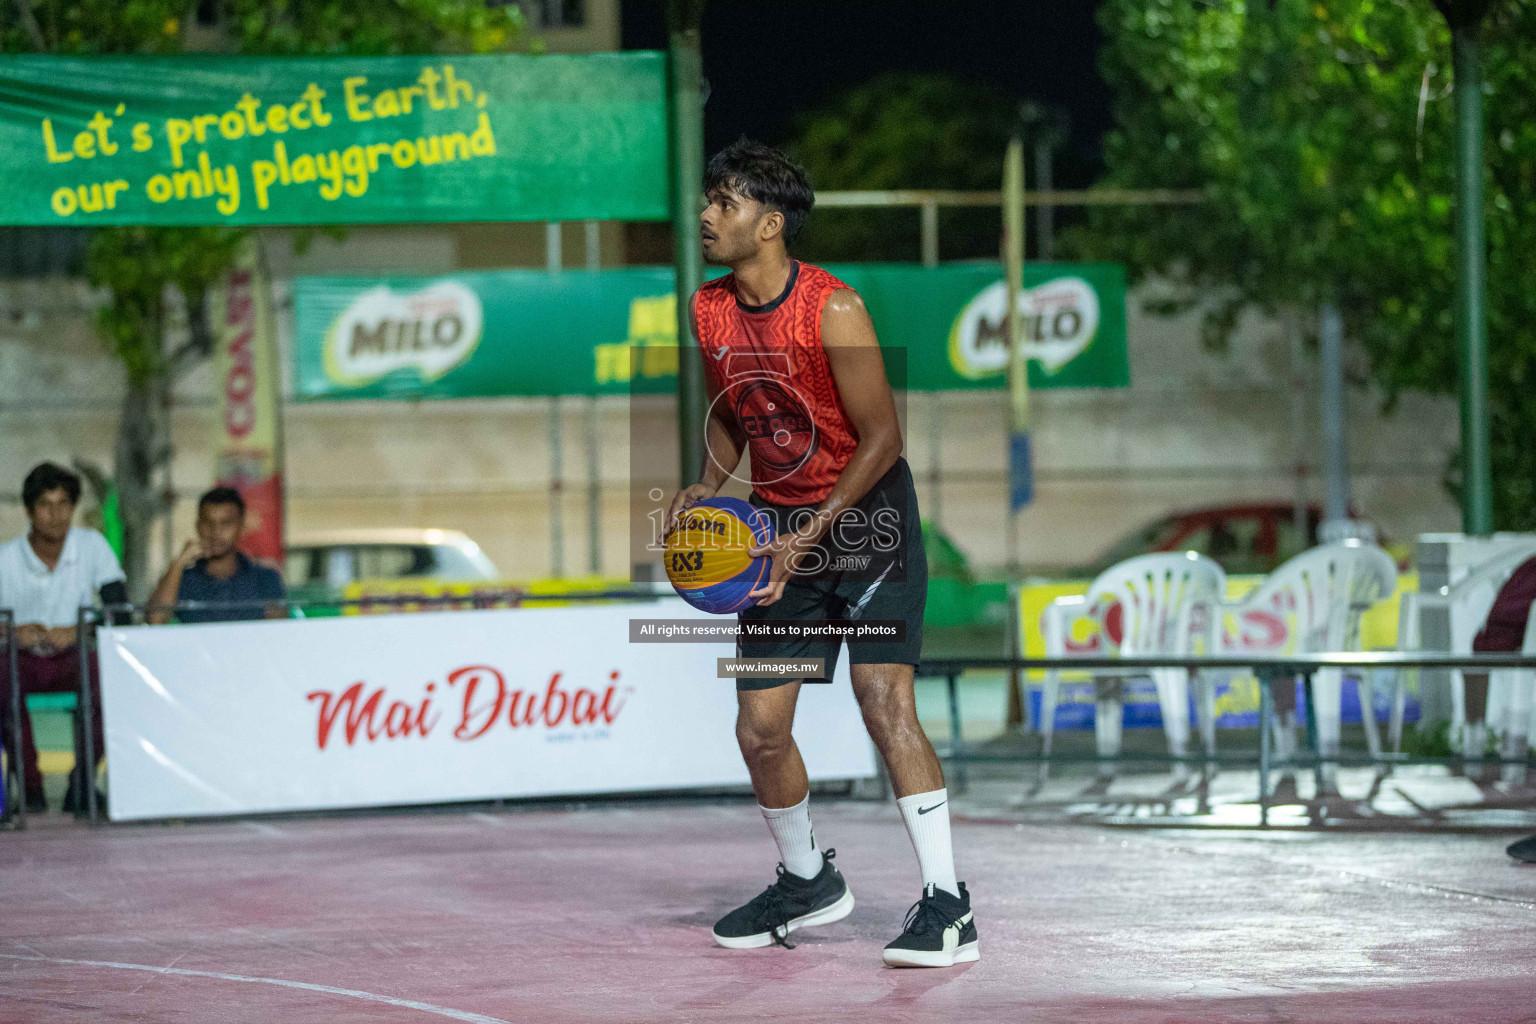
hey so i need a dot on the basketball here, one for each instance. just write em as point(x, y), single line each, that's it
point(706, 556)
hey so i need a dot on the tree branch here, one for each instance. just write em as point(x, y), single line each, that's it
point(30, 26)
point(200, 345)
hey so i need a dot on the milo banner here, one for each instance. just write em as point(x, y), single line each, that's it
point(247, 430)
point(529, 332)
point(254, 140)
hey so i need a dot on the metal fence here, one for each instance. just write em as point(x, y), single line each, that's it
point(1268, 670)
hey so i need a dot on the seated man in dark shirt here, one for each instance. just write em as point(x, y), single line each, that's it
point(213, 569)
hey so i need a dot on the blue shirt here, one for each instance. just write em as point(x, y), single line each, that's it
point(250, 582)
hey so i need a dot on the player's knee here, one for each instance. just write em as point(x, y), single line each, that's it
point(887, 711)
point(762, 741)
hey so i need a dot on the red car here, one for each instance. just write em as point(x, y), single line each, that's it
point(1249, 539)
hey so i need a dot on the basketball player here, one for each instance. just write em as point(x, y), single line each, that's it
point(795, 377)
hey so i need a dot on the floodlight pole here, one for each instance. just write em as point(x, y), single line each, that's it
point(687, 129)
point(1464, 17)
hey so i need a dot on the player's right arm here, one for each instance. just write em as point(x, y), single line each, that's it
point(724, 442)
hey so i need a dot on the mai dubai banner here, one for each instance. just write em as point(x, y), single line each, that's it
point(529, 332)
point(432, 707)
point(98, 140)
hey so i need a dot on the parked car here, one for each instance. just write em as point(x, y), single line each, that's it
point(1244, 539)
point(326, 562)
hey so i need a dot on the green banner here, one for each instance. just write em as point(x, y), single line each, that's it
point(342, 140)
point(529, 332)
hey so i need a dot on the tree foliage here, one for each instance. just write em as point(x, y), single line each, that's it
point(905, 131)
point(1324, 137)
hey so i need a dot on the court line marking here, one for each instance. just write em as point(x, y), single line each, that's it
point(410, 1004)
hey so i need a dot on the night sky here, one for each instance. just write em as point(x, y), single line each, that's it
point(767, 61)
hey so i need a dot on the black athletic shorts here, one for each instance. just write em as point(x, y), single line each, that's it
point(870, 565)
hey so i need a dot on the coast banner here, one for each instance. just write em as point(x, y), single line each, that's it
point(247, 432)
point(99, 140)
point(528, 332)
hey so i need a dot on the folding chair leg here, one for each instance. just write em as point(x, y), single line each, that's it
point(1516, 749)
point(1367, 691)
point(1173, 697)
point(1049, 694)
point(1205, 714)
point(1516, 746)
point(1399, 709)
point(1325, 708)
point(1474, 744)
point(1108, 721)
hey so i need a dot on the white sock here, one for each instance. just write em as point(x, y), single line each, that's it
point(1474, 741)
point(927, 818)
point(791, 828)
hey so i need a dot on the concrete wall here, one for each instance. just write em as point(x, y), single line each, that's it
point(1195, 429)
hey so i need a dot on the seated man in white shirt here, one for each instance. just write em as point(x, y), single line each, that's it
point(46, 575)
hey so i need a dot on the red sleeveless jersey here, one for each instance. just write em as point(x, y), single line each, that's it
point(772, 376)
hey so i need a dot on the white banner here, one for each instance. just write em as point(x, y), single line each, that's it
point(431, 707)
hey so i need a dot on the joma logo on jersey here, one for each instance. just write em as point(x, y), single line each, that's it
point(759, 427)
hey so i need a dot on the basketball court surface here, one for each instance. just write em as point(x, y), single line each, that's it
point(603, 913)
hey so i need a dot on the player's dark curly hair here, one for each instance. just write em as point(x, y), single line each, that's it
point(766, 175)
point(45, 477)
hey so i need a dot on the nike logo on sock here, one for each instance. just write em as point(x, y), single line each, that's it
point(925, 810)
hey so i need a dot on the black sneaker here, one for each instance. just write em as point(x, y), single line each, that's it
point(791, 902)
point(939, 932)
point(1523, 850)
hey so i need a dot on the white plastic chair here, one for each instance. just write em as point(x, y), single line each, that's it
point(1168, 604)
point(1509, 692)
point(1323, 592)
point(1516, 698)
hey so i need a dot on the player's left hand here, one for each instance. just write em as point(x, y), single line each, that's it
point(785, 550)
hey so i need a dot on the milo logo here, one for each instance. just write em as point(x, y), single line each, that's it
point(1061, 318)
point(431, 331)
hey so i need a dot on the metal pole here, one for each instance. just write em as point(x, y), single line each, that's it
point(1020, 459)
point(1300, 506)
point(1045, 213)
point(930, 223)
point(594, 490)
point(1015, 714)
point(1312, 740)
point(956, 744)
point(935, 471)
point(593, 236)
point(1266, 717)
point(8, 619)
point(687, 122)
point(556, 491)
point(1471, 284)
point(553, 258)
point(87, 770)
point(1335, 444)
point(168, 507)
